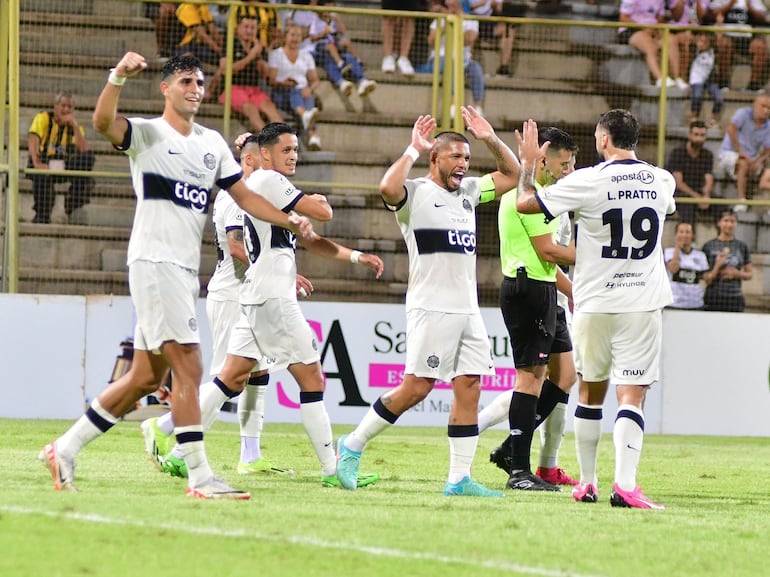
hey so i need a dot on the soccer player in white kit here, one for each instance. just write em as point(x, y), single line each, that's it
point(272, 330)
point(445, 335)
point(620, 287)
point(174, 164)
point(223, 311)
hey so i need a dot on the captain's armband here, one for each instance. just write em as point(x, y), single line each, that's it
point(487, 187)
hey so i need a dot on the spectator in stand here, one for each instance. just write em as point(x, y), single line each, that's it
point(339, 30)
point(219, 13)
point(490, 31)
point(268, 22)
point(692, 165)
point(249, 72)
point(686, 13)
point(746, 145)
point(740, 14)
point(474, 73)
point(293, 77)
point(167, 27)
point(729, 261)
point(55, 140)
point(703, 78)
point(321, 41)
point(403, 28)
point(686, 265)
point(647, 40)
point(202, 37)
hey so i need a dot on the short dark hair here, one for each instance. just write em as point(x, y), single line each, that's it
point(270, 134)
point(253, 138)
point(177, 64)
point(622, 126)
point(697, 124)
point(559, 139)
point(723, 212)
point(442, 139)
point(682, 223)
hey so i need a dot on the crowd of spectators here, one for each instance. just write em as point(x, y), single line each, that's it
point(702, 65)
point(271, 82)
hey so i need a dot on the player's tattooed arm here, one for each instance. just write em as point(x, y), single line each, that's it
point(530, 153)
point(526, 203)
point(237, 250)
point(507, 164)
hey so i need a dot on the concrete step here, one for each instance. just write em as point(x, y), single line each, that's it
point(114, 260)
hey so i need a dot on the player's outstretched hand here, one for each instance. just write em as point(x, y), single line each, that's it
point(240, 140)
point(476, 124)
point(529, 150)
point(373, 262)
point(304, 287)
point(422, 132)
point(130, 65)
point(302, 227)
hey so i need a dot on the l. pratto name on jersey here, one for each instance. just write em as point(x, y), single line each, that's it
point(635, 194)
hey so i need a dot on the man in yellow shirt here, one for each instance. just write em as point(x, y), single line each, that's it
point(56, 141)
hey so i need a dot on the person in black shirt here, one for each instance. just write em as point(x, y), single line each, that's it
point(692, 166)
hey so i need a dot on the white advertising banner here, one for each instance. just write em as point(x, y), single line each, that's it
point(362, 350)
point(58, 352)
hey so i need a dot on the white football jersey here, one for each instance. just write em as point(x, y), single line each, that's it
point(173, 176)
point(439, 228)
point(620, 208)
point(563, 237)
point(272, 271)
point(227, 216)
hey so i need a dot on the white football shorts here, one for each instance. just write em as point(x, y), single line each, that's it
point(222, 317)
point(445, 345)
point(621, 347)
point(164, 296)
point(275, 333)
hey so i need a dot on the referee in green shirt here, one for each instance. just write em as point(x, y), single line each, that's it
point(530, 255)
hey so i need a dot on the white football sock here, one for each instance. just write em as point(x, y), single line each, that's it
point(82, 432)
point(628, 437)
point(315, 419)
point(461, 452)
point(588, 433)
point(194, 455)
point(370, 426)
point(551, 435)
point(251, 416)
point(211, 400)
point(496, 411)
point(166, 423)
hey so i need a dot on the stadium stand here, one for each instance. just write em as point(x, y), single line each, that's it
point(565, 75)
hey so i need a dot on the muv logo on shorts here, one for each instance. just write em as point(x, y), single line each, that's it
point(157, 187)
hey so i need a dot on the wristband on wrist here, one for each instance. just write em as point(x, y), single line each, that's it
point(412, 153)
point(114, 79)
point(354, 256)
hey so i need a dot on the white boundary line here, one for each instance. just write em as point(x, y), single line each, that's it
point(297, 540)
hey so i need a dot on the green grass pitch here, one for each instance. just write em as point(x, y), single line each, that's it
point(130, 520)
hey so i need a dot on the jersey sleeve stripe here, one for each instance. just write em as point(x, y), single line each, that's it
point(227, 182)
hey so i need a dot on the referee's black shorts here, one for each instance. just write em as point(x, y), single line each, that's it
point(536, 325)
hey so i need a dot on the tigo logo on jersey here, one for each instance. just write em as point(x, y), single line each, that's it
point(453, 241)
point(467, 240)
point(195, 198)
point(157, 187)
